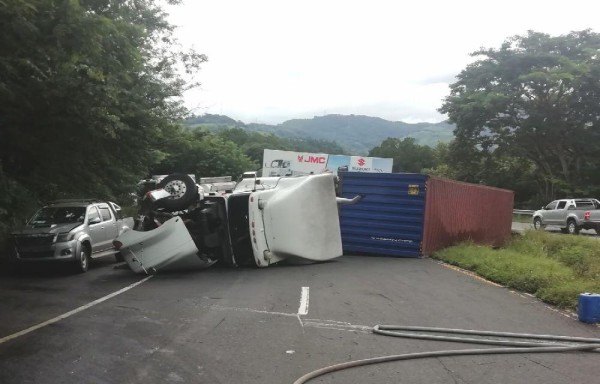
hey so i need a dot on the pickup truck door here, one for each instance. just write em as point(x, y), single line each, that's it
point(557, 216)
point(95, 228)
point(111, 230)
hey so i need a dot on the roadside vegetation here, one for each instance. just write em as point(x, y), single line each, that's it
point(556, 269)
point(522, 218)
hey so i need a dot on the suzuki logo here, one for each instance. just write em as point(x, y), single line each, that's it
point(361, 162)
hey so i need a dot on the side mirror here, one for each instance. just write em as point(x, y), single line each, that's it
point(95, 220)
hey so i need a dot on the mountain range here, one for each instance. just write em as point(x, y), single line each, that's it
point(355, 133)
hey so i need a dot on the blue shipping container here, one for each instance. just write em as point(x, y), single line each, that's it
point(390, 218)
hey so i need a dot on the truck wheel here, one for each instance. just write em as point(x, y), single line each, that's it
point(572, 227)
point(83, 262)
point(537, 224)
point(183, 191)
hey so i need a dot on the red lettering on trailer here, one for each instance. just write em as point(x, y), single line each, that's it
point(312, 159)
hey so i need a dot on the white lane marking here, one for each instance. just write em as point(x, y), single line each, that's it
point(220, 307)
point(303, 309)
point(73, 312)
point(323, 324)
point(313, 323)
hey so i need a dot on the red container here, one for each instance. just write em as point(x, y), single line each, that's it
point(457, 211)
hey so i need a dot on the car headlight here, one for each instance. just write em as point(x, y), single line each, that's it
point(64, 236)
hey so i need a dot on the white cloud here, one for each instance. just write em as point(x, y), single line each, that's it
point(271, 60)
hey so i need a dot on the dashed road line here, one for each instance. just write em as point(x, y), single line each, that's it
point(304, 299)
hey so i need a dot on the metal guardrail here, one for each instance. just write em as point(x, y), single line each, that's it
point(522, 212)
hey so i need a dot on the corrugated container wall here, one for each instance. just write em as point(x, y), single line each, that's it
point(410, 215)
point(457, 211)
point(389, 218)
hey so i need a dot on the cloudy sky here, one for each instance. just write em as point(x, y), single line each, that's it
point(274, 60)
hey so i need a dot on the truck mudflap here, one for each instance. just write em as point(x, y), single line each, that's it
point(168, 247)
point(296, 220)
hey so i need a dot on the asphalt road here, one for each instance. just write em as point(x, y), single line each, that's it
point(520, 227)
point(270, 325)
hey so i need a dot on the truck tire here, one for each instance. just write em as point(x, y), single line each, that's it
point(537, 224)
point(183, 192)
point(572, 227)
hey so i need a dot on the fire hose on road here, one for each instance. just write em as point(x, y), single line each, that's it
point(545, 344)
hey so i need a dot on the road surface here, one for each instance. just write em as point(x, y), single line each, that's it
point(268, 325)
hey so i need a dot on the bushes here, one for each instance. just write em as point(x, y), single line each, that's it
point(17, 203)
point(554, 268)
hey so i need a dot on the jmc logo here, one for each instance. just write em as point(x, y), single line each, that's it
point(312, 159)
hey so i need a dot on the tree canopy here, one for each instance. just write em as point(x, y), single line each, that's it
point(408, 156)
point(89, 92)
point(536, 98)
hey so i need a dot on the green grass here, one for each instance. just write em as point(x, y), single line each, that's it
point(554, 268)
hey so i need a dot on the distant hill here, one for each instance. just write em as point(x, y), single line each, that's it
point(356, 133)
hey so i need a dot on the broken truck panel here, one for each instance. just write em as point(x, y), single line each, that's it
point(169, 246)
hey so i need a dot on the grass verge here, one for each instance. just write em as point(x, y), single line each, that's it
point(521, 218)
point(554, 268)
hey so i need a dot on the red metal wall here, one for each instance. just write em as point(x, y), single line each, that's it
point(456, 211)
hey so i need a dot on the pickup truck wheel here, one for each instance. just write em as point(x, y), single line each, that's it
point(183, 191)
point(83, 262)
point(537, 224)
point(572, 227)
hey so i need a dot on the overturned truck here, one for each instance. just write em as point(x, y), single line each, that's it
point(255, 222)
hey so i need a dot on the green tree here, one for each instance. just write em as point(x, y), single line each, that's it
point(254, 143)
point(203, 154)
point(536, 98)
point(408, 156)
point(89, 92)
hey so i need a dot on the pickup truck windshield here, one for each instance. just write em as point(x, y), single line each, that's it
point(58, 215)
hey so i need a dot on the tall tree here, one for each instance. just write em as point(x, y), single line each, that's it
point(536, 97)
point(89, 92)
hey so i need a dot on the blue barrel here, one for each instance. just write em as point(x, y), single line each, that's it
point(588, 308)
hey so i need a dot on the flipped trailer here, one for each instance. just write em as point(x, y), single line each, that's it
point(256, 222)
